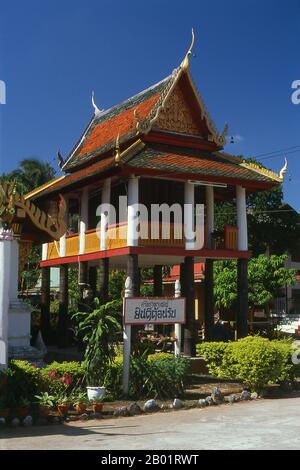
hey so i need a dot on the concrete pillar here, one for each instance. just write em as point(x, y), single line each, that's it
point(104, 221)
point(5, 259)
point(44, 251)
point(210, 223)
point(241, 218)
point(83, 278)
point(189, 215)
point(45, 303)
point(132, 216)
point(83, 224)
point(209, 300)
point(242, 303)
point(62, 323)
point(62, 241)
point(157, 281)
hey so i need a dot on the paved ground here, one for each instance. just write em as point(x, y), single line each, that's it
point(261, 424)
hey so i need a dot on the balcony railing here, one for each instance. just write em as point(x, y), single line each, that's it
point(159, 236)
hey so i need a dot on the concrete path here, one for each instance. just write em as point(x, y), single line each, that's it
point(261, 424)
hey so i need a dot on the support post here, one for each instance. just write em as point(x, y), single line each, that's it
point(126, 341)
point(189, 329)
point(45, 303)
point(177, 344)
point(132, 216)
point(62, 323)
point(83, 225)
point(189, 216)
point(241, 218)
point(103, 279)
point(62, 241)
point(209, 193)
point(242, 288)
point(157, 280)
point(133, 273)
point(6, 238)
point(83, 279)
point(209, 300)
point(104, 221)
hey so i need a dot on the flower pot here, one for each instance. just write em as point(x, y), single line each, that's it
point(23, 411)
point(4, 412)
point(95, 393)
point(63, 409)
point(97, 407)
point(44, 410)
point(80, 408)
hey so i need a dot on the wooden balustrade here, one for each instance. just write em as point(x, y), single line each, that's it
point(161, 235)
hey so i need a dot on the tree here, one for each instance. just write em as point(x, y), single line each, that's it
point(30, 174)
point(266, 275)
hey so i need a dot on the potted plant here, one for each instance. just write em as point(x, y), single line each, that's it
point(23, 407)
point(99, 329)
point(97, 406)
point(80, 402)
point(63, 405)
point(46, 402)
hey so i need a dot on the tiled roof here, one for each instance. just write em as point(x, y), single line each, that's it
point(103, 130)
point(166, 160)
point(71, 179)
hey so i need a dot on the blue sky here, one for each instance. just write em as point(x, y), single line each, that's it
point(54, 53)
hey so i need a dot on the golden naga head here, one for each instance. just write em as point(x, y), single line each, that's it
point(7, 201)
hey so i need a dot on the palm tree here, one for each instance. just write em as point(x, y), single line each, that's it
point(30, 174)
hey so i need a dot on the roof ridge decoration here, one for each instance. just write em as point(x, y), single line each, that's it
point(97, 111)
point(218, 139)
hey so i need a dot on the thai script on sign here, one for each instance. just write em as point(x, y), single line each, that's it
point(142, 311)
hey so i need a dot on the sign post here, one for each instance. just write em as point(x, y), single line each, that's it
point(6, 238)
point(126, 340)
point(177, 344)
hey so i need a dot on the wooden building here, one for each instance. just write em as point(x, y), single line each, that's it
point(160, 146)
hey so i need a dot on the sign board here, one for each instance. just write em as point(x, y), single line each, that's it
point(154, 310)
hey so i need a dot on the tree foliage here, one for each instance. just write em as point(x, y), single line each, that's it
point(30, 174)
point(266, 275)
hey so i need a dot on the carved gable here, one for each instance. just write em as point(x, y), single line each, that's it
point(176, 115)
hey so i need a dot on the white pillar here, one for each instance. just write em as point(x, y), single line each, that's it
point(189, 215)
point(132, 217)
point(177, 344)
point(241, 218)
point(127, 341)
point(5, 263)
point(105, 199)
point(210, 223)
point(44, 251)
point(62, 241)
point(83, 224)
point(19, 313)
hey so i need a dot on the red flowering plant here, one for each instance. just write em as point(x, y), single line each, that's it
point(60, 384)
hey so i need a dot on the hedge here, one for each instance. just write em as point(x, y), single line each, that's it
point(254, 361)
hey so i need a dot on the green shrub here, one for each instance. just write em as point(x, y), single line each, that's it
point(161, 375)
point(59, 377)
point(213, 354)
point(254, 361)
point(23, 382)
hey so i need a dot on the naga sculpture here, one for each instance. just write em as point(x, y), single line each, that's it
point(14, 207)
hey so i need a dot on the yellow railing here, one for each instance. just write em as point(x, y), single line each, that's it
point(161, 235)
point(230, 237)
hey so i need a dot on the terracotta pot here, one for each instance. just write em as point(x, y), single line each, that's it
point(4, 412)
point(23, 411)
point(97, 407)
point(63, 409)
point(80, 408)
point(44, 410)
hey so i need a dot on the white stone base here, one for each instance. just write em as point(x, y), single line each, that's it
point(19, 317)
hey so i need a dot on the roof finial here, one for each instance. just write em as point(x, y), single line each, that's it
point(96, 109)
point(185, 62)
point(283, 169)
point(117, 150)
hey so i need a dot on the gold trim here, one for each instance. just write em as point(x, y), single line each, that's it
point(186, 61)
point(41, 188)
